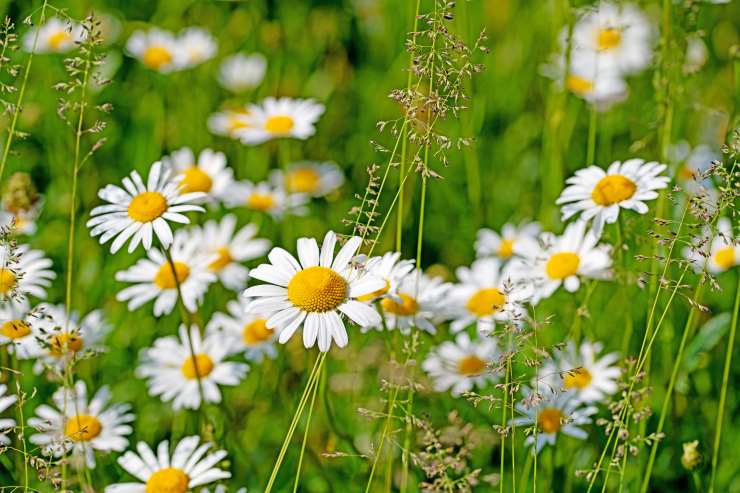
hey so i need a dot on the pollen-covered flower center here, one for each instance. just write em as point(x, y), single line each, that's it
point(724, 257)
point(407, 307)
point(609, 38)
point(168, 480)
point(317, 289)
point(579, 85)
point(302, 180)
point(613, 189)
point(471, 365)
point(256, 332)
point(578, 378)
point(7, 281)
point(261, 201)
point(279, 124)
point(237, 120)
point(147, 206)
point(550, 420)
point(15, 329)
point(82, 428)
point(486, 302)
point(223, 259)
point(156, 57)
point(65, 342)
point(57, 39)
point(166, 278)
point(195, 180)
point(200, 365)
point(506, 248)
point(562, 265)
point(375, 294)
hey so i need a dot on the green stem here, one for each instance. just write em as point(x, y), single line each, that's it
point(305, 435)
point(591, 146)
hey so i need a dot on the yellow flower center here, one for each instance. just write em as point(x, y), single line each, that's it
point(82, 428)
point(168, 480)
point(302, 180)
point(375, 294)
point(195, 180)
point(486, 302)
point(550, 419)
point(317, 289)
point(15, 329)
point(471, 365)
point(256, 332)
point(724, 257)
point(279, 124)
point(613, 189)
point(579, 85)
point(609, 38)
point(65, 342)
point(167, 279)
point(7, 281)
point(686, 173)
point(224, 258)
point(506, 248)
point(58, 38)
point(579, 378)
point(562, 265)
point(407, 307)
point(156, 57)
point(261, 201)
point(147, 206)
point(200, 365)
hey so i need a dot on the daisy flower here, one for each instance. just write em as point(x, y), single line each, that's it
point(6, 423)
point(155, 279)
point(23, 272)
point(489, 243)
point(175, 374)
point(186, 468)
point(693, 163)
point(594, 82)
point(228, 123)
point(81, 426)
point(198, 45)
point(247, 331)
point(264, 197)
point(207, 174)
point(280, 118)
point(552, 414)
point(312, 294)
point(54, 36)
point(17, 331)
point(581, 371)
point(314, 179)
point(138, 211)
point(392, 270)
point(486, 295)
point(720, 254)
point(24, 221)
point(597, 194)
point(461, 365)
point(240, 72)
point(157, 49)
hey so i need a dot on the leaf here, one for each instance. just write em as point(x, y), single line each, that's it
point(705, 339)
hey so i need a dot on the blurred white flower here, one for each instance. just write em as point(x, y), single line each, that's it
point(240, 72)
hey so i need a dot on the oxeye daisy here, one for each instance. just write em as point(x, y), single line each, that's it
point(314, 179)
point(391, 269)
point(81, 426)
point(280, 118)
point(6, 424)
point(486, 295)
point(53, 36)
point(312, 294)
point(229, 122)
point(264, 197)
point(187, 467)
point(489, 243)
point(138, 211)
point(240, 72)
point(594, 82)
point(155, 279)
point(23, 220)
point(692, 166)
point(157, 49)
point(718, 252)
point(463, 364)
point(552, 414)
point(247, 331)
point(17, 331)
point(175, 374)
point(23, 272)
point(198, 45)
point(208, 173)
point(597, 194)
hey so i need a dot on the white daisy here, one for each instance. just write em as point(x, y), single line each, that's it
point(720, 253)
point(247, 331)
point(153, 277)
point(311, 294)
point(175, 374)
point(240, 72)
point(23, 220)
point(489, 243)
point(392, 270)
point(17, 329)
point(279, 118)
point(486, 295)
point(198, 45)
point(157, 49)
point(142, 210)
point(597, 194)
point(229, 122)
point(692, 164)
point(463, 364)
point(81, 426)
point(186, 468)
point(6, 424)
point(264, 197)
point(315, 179)
point(23, 272)
point(597, 83)
point(552, 414)
point(208, 174)
point(54, 36)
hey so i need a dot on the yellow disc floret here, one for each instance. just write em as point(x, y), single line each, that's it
point(579, 85)
point(609, 38)
point(578, 378)
point(303, 180)
point(724, 257)
point(156, 57)
point(279, 124)
point(471, 365)
point(195, 179)
point(15, 329)
point(224, 258)
point(613, 189)
point(8, 281)
point(550, 420)
point(168, 480)
point(317, 289)
point(200, 365)
point(407, 307)
point(256, 332)
point(562, 265)
point(167, 279)
point(147, 206)
point(65, 342)
point(486, 302)
point(261, 201)
point(82, 428)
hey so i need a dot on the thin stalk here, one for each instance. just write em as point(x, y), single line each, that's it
point(591, 144)
point(503, 427)
point(305, 435)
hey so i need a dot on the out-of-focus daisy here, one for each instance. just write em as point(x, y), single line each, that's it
point(240, 72)
point(247, 331)
point(24, 221)
point(142, 210)
point(591, 378)
point(264, 197)
point(54, 36)
point(597, 194)
point(312, 294)
point(463, 364)
point(719, 252)
point(186, 468)
point(17, 331)
point(693, 163)
point(552, 413)
point(229, 122)
point(6, 423)
point(173, 373)
point(208, 174)
point(81, 426)
point(154, 278)
point(157, 49)
point(198, 45)
point(20, 204)
point(563, 260)
point(390, 268)
point(489, 243)
point(315, 179)
point(277, 118)
point(696, 54)
point(600, 86)
point(486, 295)
point(23, 272)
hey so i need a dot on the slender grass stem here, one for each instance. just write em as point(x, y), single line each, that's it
point(591, 145)
point(305, 434)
